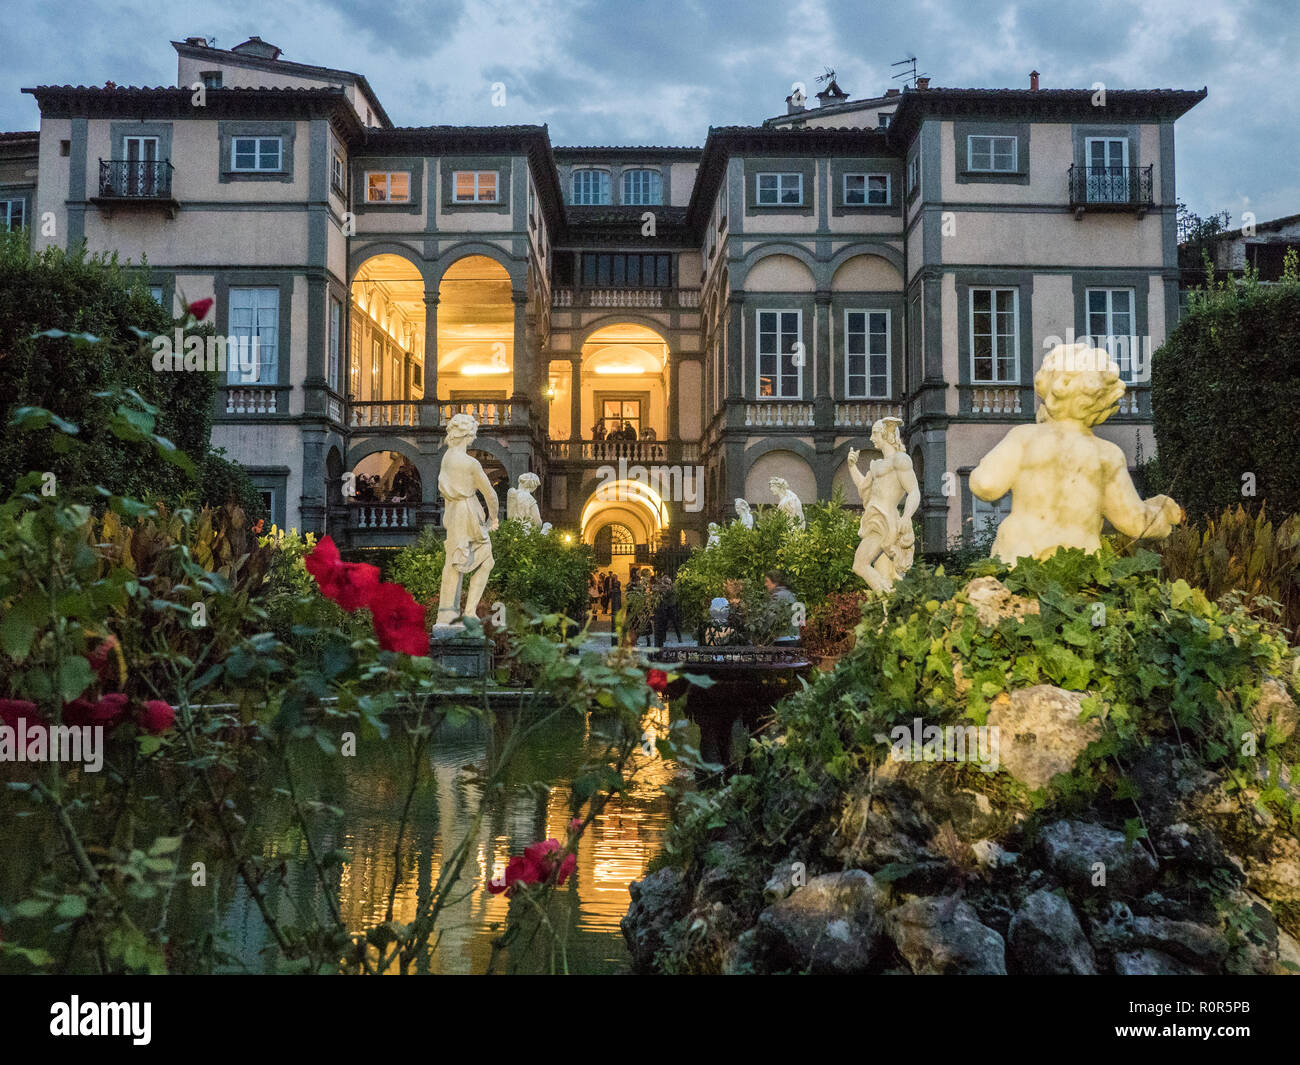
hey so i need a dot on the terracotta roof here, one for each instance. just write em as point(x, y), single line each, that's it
point(597, 151)
point(20, 135)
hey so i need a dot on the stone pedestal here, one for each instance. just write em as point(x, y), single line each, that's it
point(458, 652)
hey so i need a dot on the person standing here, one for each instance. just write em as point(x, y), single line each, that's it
point(774, 581)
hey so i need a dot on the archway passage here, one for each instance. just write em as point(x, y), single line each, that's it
point(476, 331)
point(383, 491)
point(386, 367)
point(622, 390)
point(629, 514)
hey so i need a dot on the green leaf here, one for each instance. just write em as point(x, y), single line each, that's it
point(75, 676)
point(71, 906)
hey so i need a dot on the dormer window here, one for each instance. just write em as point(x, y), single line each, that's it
point(642, 187)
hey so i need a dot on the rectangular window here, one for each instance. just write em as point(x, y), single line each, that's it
point(388, 186)
point(866, 354)
point(780, 190)
point(988, 516)
point(335, 342)
point(590, 187)
point(642, 187)
point(211, 79)
point(995, 335)
point(913, 174)
point(255, 153)
point(1107, 169)
point(354, 357)
point(337, 173)
point(619, 270)
point(474, 186)
point(993, 154)
point(1111, 325)
point(863, 190)
point(618, 415)
point(780, 354)
point(156, 291)
point(13, 214)
point(255, 314)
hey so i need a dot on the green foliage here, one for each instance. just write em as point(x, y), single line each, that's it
point(73, 333)
point(296, 612)
point(1243, 555)
point(227, 482)
point(831, 623)
point(1225, 387)
point(1159, 660)
point(530, 569)
point(817, 561)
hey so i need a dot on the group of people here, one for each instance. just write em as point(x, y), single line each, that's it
point(620, 433)
point(660, 596)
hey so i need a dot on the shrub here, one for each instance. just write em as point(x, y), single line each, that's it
point(831, 623)
point(817, 561)
point(225, 482)
point(1224, 391)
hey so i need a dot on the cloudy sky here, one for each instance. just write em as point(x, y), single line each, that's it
point(631, 72)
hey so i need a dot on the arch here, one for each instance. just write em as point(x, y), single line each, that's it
point(387, 330)
point(628, 497)
point(424, 464)
point(801, 448)
point(581, 336)
point(476, 328)
point(781, 272)
point(781, 462)
point(866, 272)
point(358, 255)
point(638, 527)
point(882, 251)
point(797, 251)
point(514, 265)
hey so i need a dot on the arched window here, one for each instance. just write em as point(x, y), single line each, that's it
point(590, 187)
point(642, 187)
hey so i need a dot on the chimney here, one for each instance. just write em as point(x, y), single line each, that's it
point(891, 92)
point(198, 42)
point(1033, 80)
point(832, 94)
point(922, 83)
point(792, 108)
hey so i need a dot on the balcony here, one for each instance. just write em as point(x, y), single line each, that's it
point(135, 183)
point(654, 299)
point(1012, 402)
point(864, 413)
point(419, 414)
point(602, 452)
point(1110, 188)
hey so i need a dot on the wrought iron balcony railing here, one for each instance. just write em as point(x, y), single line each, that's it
point(1111, 187)
point(132, 179)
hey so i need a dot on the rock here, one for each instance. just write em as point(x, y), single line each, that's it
point(990, 855)
point(780, 883)
point(1275, 711)
point(1151, 963)
point(657, 903)
point(938, 936)
point(1274, 870)
point(993, 601)
point(1198, 946)
point(831, 925)
point(1071, 850)
point(1046, 938)
point(1288, 953)
point(746, 956)
point(1039, 732)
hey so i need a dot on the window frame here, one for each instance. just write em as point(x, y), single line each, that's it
point(1014, 168)
point(867, 353)
point(7, 212)
point(234, 376)
point(338, 173)
point(780, 176)
point(334, 343)
point(993, 312)
point(478, 196)
point(647, 172)
point(388, 176)
point(866, 176)
point(777, 395)
point(1105, 341)
point(914, 175)
point(257, 139)
point(606, 187)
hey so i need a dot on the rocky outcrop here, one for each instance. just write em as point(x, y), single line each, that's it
point(1089, 856)
point(993, 602)
point(1046, 938)
point(658, 902)
point(938, 936)
point(1039, 732)
point(832, 925)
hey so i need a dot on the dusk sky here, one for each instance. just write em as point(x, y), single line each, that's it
point(654, 73)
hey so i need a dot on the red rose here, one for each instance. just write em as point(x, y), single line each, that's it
point(399, 620)
point(535, 866)
point(79, 712)
point(657, 679)
point(101, 661)
point(350, 584)
point(567, 867)
point(19, 714)
point(519, 871)
point(200, 308)
point(157, 716)
point(110, 710)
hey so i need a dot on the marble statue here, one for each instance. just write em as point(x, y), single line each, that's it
point(1064, 481)
point(743, 514)
point(469, 548)
point(887, 545)
point(521, 505)
point(715, 530)
point(787, 502)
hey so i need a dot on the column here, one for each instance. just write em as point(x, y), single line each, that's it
point(431, 348)
point(823, 401)
point(524, 369)
point(735, 345)
point(575, 399)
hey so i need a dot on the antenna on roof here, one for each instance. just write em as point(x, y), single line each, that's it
point(829, 74)
point(910, 74)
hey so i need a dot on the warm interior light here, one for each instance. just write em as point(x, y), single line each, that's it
point(482, 369)
point(625, 369)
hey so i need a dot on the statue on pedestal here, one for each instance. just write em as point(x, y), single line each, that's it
point(787, 502)
point(520, 502)
point(887, 545)
point(743, 514)
point(715, 531)
point(1064, 481)
point(469, 548)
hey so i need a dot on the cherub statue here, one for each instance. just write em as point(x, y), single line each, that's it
point(1064, 481)
point(520, 503)
point(743, 514)
point(715, 531)
point(888, 543)
point(469, 548)
point(787, 502)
